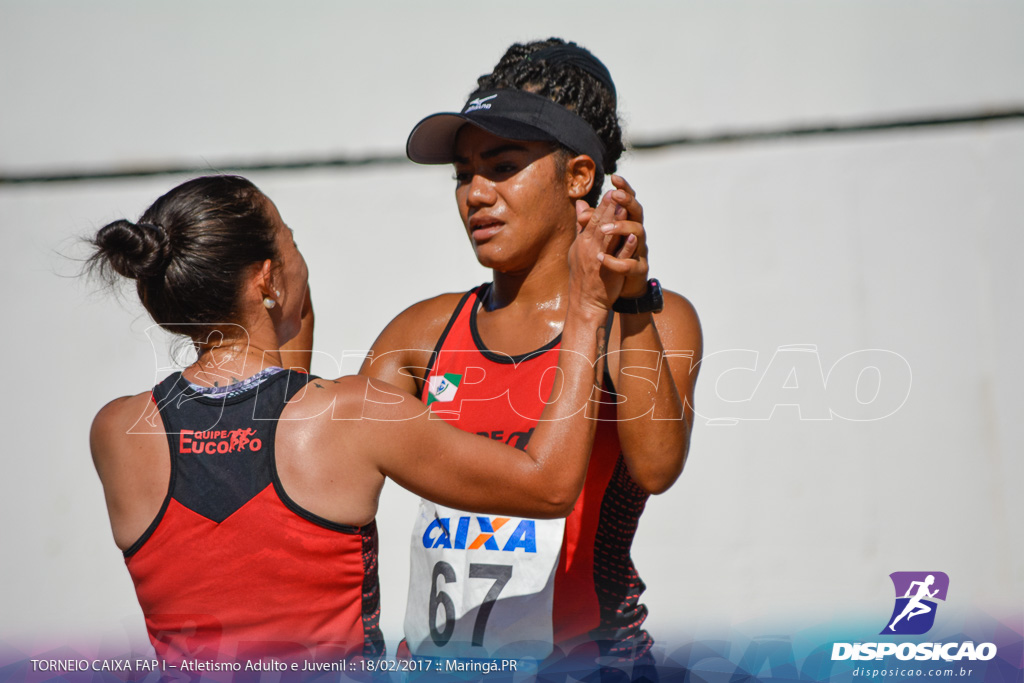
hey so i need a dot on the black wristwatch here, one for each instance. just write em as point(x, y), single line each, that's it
point(649, 302)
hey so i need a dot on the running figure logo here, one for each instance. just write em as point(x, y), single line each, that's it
point(916, 593)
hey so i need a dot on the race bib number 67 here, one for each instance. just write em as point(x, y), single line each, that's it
point(481, 585)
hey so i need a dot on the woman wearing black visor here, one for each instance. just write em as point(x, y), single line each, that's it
point(530, 149)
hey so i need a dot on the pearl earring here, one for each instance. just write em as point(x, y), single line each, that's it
point(268, 302)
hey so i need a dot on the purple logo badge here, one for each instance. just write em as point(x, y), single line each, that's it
point(916, 593)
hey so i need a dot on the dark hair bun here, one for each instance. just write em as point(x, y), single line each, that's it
point(191, 252)
point(137, 251)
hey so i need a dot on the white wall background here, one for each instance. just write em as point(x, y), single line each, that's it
point(905, 241)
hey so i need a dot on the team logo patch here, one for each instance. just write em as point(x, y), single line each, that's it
point(916, 593)
point(223, 441)
point(443, 387)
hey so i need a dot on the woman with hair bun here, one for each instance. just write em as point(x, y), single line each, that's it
point(242, 493)
point(530, 149)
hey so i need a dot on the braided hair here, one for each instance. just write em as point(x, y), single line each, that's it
point(566, 82)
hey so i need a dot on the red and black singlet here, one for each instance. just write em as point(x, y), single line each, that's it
point(597, 588)
point(231, 566)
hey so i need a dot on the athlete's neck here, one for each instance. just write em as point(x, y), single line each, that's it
point(544, 286)
point(234, 352)
point(230, 362)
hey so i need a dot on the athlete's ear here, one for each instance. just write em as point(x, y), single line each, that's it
point(263, 281)
point(579, 174)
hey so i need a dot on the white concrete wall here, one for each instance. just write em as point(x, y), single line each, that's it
point(902, 241)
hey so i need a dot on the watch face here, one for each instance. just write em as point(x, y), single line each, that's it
point(651, 301)
point(657, 301)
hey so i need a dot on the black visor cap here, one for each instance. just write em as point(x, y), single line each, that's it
point(509, 114)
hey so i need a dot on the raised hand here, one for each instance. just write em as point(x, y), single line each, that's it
point(620, 217)
point(598, 262)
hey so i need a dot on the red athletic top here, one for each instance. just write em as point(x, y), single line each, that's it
point(231, 567)
point(597, 588)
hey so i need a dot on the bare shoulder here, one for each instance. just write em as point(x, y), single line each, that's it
point(678, 323)
point(401, 353)
point(323, 400)
point(124, 434)
point(352, 413)
point(131, 456)
point(420, 324)
point(121, 416)
point(352, 397)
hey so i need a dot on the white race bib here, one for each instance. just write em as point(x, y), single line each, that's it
point(481, 585)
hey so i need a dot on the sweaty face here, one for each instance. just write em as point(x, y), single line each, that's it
point(513, 199)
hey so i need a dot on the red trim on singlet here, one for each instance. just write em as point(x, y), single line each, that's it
point(197, 580)
point(270, 579)
point(516, 387)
